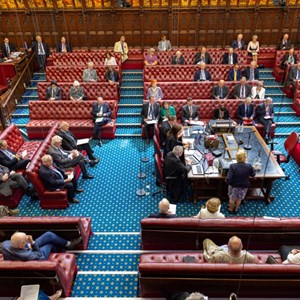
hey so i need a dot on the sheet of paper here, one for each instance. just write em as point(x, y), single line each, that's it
point(230, 138)
point(24, 153)
point(9, 60)
point(83, 141)
point(173, 209)
point(30, 292)
point(189, 152)
point(191, 141)
point(267, 117)
point(71, 176)
point(196, 123)
point(151, 122)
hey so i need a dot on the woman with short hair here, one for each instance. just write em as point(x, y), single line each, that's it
point(211, 210)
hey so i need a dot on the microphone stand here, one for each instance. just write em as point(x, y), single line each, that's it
point(248, 146)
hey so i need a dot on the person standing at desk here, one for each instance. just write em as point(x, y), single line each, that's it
point(7, 49)
point(41, 51)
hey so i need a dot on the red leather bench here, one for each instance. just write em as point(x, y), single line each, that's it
point(166, 272)
point(16, 142)
point(91, 89)
point(296, 102)
point(44, 114)
point(66, 227)
point(71, 73)
point(188, 233)
point(58, 272)
point(266, 56)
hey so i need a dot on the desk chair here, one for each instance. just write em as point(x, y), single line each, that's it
point(157, 149)
point(160, 180)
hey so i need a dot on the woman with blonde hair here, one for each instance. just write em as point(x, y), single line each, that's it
point(211, 210)
point(253, 47)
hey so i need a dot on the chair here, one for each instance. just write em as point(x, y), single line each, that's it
point(157, 132)
point(157, 149)
point(160, 181)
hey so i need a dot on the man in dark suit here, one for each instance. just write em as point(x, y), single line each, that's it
point(202, 56)
point(53, 91)
point(10, 159)
point(150, 113)
point(235, 74)
point(101, 113)
point(242, 90)
point(189, 112)
point(284, 44)
point(55, 178)
point(175, 174)
point(293, 76)
point(220, 91)
point(63, 46)
point(265, 116)
point(67, 159)
point(202, 74)
point(164, 128)
point(289, 58)
point(230, 58)
point(112, 76)
point(246, 112)
point(177, 59)
point(69, 142)
point(239, 43)
point(164, 210)
point(251, 72)
point(41, 51)
point(7, 49)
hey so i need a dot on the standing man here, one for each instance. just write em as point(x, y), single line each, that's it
point(284, 44)
point(7, 49)
point(90, 74)
point(164, 44)
point(121, 47)
point(239, 43)
point(189, 112)
point(101, 115)
point(53, 91)
point(41, 51)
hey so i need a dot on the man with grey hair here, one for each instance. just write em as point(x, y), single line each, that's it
point(245, 112)
point(177, 59)
point(175, 173)
point(251, 72)
point(151, 58)
point(90, 74)
point(76, 92)
point(67, 159)
point(164, 210)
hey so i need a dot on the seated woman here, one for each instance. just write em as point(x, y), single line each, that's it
point(174, 138)
point(258, 91)
point(253, 48)
point(221, 113)
point(109, 60)
point(154, 91)
point(211, 210)
point(166, 111)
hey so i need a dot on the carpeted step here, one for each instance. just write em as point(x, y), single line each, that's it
point(132, 92)
point(128, 120)
point(132, 83)
point(135, 131)
point(21, 111)
point(40, 77)
point(129, 110)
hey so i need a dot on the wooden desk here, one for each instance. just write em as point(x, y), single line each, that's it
point(209, 185)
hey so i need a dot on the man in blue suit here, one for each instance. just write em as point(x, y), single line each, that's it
point(22, 246)
point(202, 74)
point(235, 74)
point(230, 58)
point(63, 46)
point(239, 44)
point(251, 72)
point(246, 111)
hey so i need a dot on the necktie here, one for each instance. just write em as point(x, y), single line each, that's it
point(234, 75)
point(191, 111)
point(9, 154)
point(63, 48)
point(246, 112)
point(202, 75)
point(239, 44)
point(151, 111)
point(230, 59)
point(122, 46)
point(57, 172)
point(7, 50)
point(63, 152)
point(52, 93)
point(91, 77)
point(221, 93)
point(243, 91)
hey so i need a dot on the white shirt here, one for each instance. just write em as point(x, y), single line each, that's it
point(110, 62)
point(293, 259)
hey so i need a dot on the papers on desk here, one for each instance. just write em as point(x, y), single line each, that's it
point(230, 138)
point(30, 292)
point(15, 54)
point(149, 122)
point(24, 153)
point(8, 60)
point(82, 141)
point(71, 176)
point(172, 209)
point(200, 123)
point(189, 152)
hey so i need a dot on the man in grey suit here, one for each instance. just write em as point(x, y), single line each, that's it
point(67, 159)
point(164, 44)
point(189, 112)
point(90, 74)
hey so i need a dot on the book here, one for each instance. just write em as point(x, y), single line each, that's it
point(30, 292)
point(82, 141)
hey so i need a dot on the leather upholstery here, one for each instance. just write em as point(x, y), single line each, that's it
point(296, 154)
point(44, 114)
point(91, 89)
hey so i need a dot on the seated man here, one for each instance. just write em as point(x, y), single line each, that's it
point(67, 159)
point(202, 56)
point(289, 58)
point(221, 113)
point(10, 159)
point(242, 90)
point(76, 92)
point(177, 59)
point(69, 142)
point(265, 116)
point(165, 127)
point(251, 73)
point(22, 246)
point(230, 58)
point(220, 91)
point(246, 112)
point(122, 47)
point(111, 75)
point(175, 173)
point(294, 76)
point(232, 253)
point(284, 44)
point(53, 91)
point(63, 46)
point(290, 254)
point(7, 49)
point(239, 43)
point(202, 74)
point(55, 179)
point(164, 210)
point(101, 113)
point(235, 74)
point(150, 112)
point(164, 44)
point(90, 74)
point(151, 58)
point(189, 112)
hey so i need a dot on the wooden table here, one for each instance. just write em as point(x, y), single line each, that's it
point(214, 185)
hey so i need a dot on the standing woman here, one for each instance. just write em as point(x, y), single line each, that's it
point(238, 181)
point(154, 91)
point(166, 111)
point(174, 138)
point(253, 48)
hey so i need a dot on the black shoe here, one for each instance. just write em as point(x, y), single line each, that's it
point(147, 141)
point(34, 196)
point(78, 191)
point(74, 201)
point(87, 176)
point(74, 243)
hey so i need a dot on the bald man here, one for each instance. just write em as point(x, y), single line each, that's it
point(220, 91)
point(231, 253)
point(22, 246)
point(164, 210)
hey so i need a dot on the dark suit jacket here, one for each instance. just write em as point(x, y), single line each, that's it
point(241, 111)
point(207, 58)
point(285, 58)
point(170, 143)
point(217, 114)
point(36, 51)
point(106, 111)
point(67, 142)
point(174, 167)
point(51, 180)
point(161, 215)
point(6, 161)
point(235, 45)
point(286, 46)
point(231, 75)
point(145, 108)
point(108, 76)
point(57, 93)
point(197, 75)
point(216, 92)
point(174, 60)
point(261, 111)
point(237, 91)
point(238, 175)
point(185, 113)
point(225, 60)
point(68, 47)
point(12, 48)
point(5, 188)
point(59, 158)
point(165, 127)
point(247, 73)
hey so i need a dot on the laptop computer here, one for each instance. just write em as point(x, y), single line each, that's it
point(195, 158)
point(201, 168)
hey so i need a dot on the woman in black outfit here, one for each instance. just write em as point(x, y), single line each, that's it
point(174, 138)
